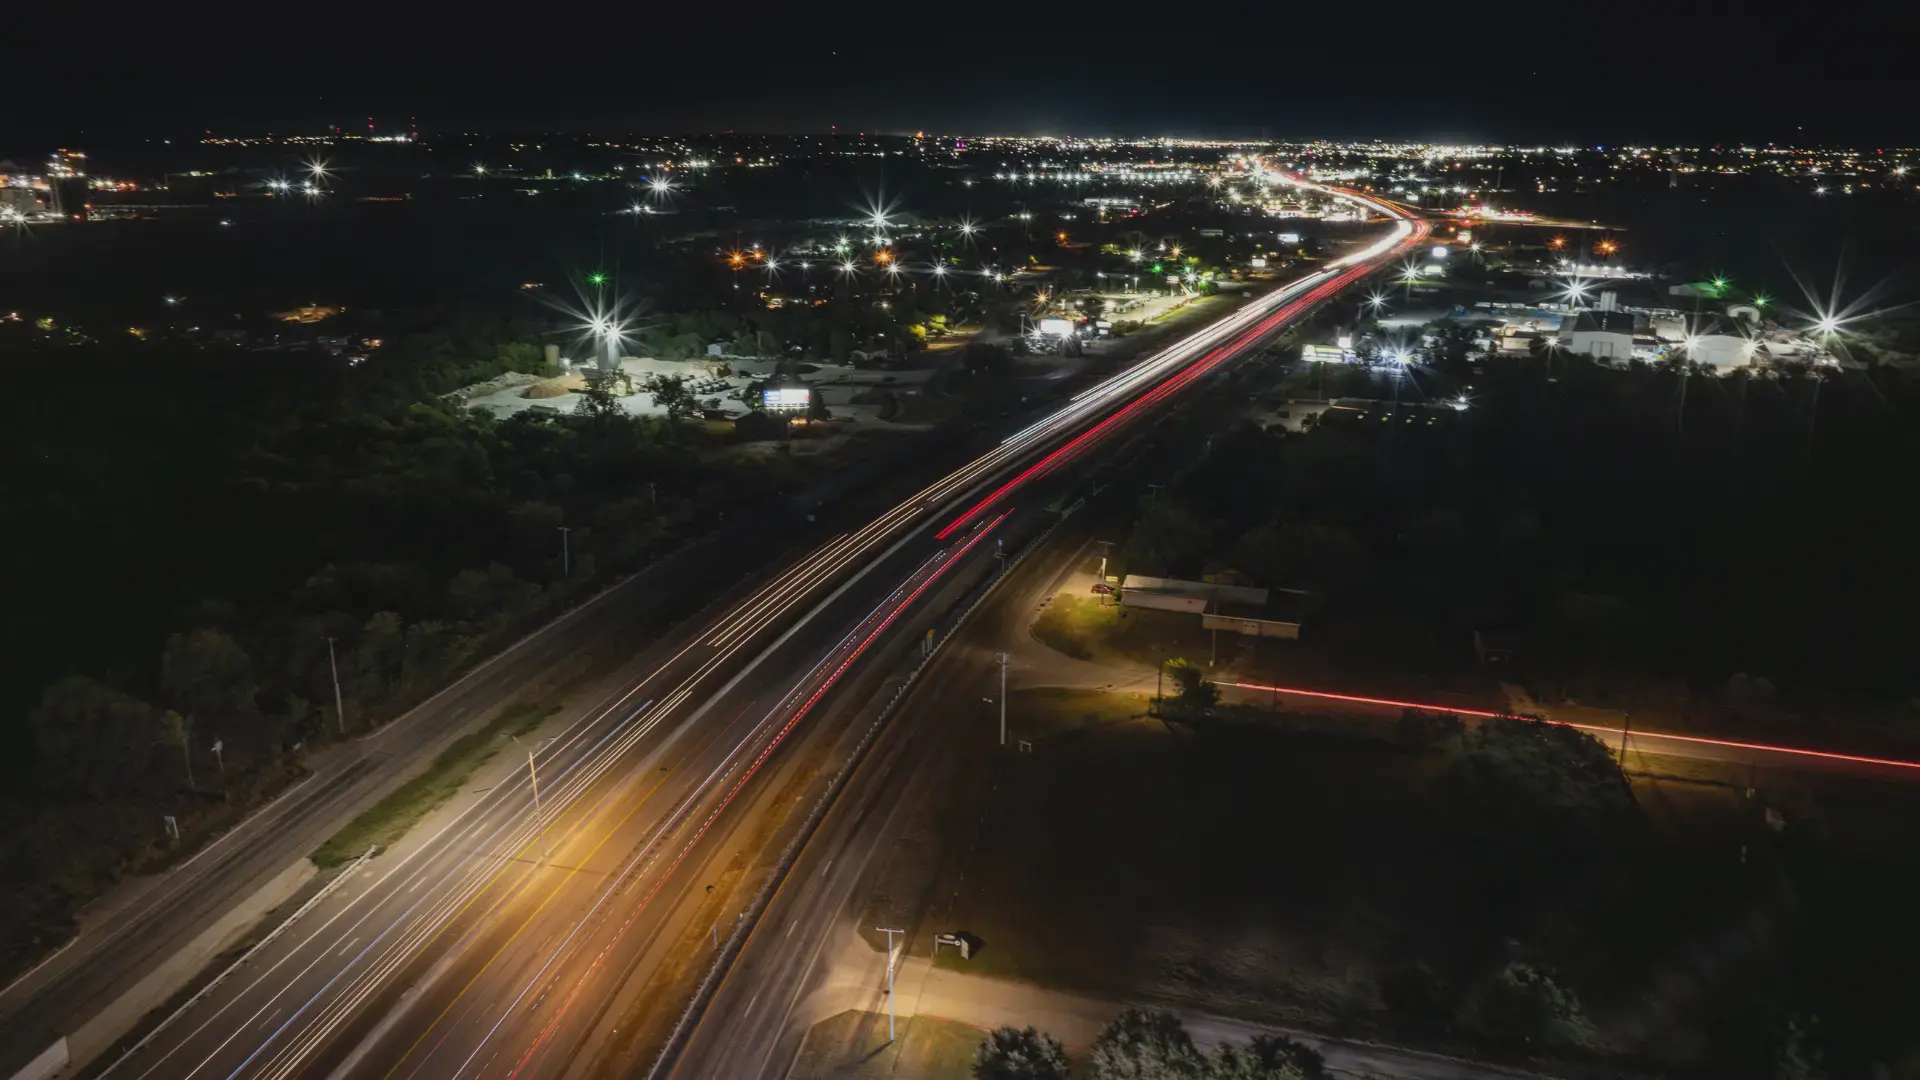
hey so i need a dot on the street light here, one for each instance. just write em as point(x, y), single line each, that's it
point(890, 931)
point(533, 777)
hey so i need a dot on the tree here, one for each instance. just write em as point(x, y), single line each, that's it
point(1014, 1054)
point(1796, 1052)
point(1523, 1003)
point(671, 394)
point(177, 730)
point(600, 398)
point(207, 676)
point(1324, 557)
point(1267, 1057)
point(753, 395)
point(90, 739)
point(1195, 691)
point(1547, 786)
point(1170, 537)
point(1142, 1045)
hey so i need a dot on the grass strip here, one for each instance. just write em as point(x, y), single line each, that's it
point(389, 819)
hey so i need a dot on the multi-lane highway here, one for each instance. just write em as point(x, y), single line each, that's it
point(521, 935)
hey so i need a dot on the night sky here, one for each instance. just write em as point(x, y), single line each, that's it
point(1547, 73)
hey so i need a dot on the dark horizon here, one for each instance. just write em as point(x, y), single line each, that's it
point(1528, 77)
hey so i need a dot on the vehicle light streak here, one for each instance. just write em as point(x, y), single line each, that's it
point(1697, 740)
point(1196, 370)
point(559, 886)
point(873, 632)
point(446, 892)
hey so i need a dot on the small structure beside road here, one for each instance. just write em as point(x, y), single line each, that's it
point(1239, 609)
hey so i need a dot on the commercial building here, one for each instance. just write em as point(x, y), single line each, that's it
point(1719, 342)
point(1604, 335)
point(19, 200)
point(1238, 609)
point(1326, 354)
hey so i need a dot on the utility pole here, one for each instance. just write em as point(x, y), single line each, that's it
point(1106, 548)
point(566, 556)
point(1625, 726)
point(889, 931)
point(339, 710)
point(1003, 699)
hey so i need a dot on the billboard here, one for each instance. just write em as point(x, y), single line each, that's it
point(1056, 327)
point(785, 397)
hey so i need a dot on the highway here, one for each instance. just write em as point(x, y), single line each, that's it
point(511, 934)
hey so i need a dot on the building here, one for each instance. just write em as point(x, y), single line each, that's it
point(19, 200)
point(1604, 335)
point(1496, 646)
point(1326, 354)
point(1237, 609)
point(1173, 594)
point(1279, 617)
point(67, 184)
point(1720, 343)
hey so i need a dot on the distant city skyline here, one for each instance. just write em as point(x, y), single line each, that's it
point(1490, 75)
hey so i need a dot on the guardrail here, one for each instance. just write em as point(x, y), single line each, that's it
point(198, 995)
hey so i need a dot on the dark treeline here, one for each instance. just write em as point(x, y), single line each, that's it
point(1741, 536)
point(1690, 525)
point(189, 528)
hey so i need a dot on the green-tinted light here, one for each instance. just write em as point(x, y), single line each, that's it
point(597, 278)
point(1759, 301)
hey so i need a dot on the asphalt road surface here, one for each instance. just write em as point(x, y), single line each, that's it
point(509, 935)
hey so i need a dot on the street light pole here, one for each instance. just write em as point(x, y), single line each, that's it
point(889, 931)
point(1003, 699)
point(339, 711)
point(533, 777)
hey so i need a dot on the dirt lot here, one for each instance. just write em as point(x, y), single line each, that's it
point(853, 1046)
point(1305, 876)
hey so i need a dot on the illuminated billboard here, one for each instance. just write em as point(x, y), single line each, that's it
point(1056, 327)
point(786, 397)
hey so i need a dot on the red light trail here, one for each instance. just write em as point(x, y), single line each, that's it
point(1160, 393)
point(540, 1041)
point(1700, 740)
